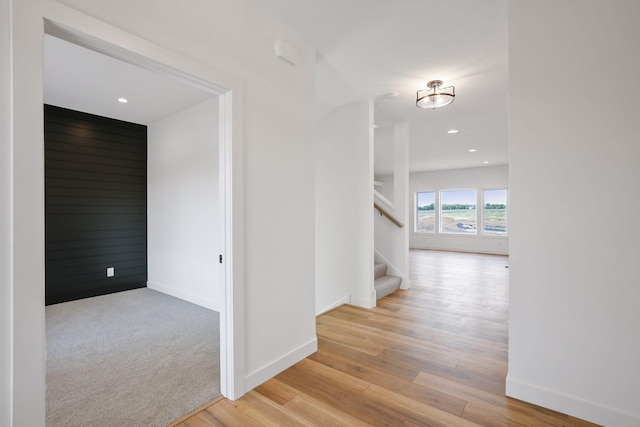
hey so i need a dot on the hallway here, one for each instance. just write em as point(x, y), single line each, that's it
point(435, 355)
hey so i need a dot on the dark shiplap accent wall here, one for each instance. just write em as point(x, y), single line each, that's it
point(95, 205)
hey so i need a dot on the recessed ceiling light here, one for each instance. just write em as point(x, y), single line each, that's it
point(452, 131)
point(485, 162)
point(473, 150)
point(123, 100)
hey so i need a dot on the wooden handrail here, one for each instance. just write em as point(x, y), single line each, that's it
point(387, 215)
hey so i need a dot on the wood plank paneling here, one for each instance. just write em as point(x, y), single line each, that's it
point(95, 205)
point(433, 355)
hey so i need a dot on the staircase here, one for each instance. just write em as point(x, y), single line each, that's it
point(384, 284)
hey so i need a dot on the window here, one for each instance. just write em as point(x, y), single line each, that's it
point(426, 212)
point(458, 211)
point(494, 214)
point(475, 212)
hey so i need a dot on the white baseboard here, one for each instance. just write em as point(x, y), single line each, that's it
point(269, 371)
point(342, 301)
point(570, 405)
point(203, 302)
point(364, 302)
point(460, 249)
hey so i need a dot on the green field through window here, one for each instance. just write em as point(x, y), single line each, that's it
point(494, 216)
point(425, 212)
point(458, 212)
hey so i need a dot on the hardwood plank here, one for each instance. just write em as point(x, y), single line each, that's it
point(321, 414)
point(418, 328)
point(277, 391)
point(267, 412)
point(384, 339)
point(224, 413)
point(455, 388)
point(180, 422)
point(494, 385)
point(329, 375)
point(415, 410)
point(434, 355)
point(338, 390)
point(491, 369)
point(402, 385)
point(491, 409)
point(199, 420)
point(483, 407)
point(499, 346)
point(514, 415)
point(379, 362)
point(349, 337)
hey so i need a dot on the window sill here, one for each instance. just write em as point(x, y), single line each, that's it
point(471, 236)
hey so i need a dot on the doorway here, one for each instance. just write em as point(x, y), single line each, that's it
point(224, 182)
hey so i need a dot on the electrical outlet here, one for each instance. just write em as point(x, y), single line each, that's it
point(111, 271)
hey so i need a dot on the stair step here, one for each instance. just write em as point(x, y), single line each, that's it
point(386, 285)
point(380, 270)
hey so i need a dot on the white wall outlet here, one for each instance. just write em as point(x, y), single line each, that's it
point(111, 271)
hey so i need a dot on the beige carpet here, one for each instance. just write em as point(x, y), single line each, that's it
point(135, 358)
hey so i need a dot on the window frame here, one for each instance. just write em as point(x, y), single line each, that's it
point(435, 210)
point(453, 233)
point(479, 231)
point(506, 213)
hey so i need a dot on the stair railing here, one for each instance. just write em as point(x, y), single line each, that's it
point(387, 215)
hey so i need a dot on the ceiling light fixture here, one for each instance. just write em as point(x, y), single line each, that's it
point(485, 162)
point(473, 150)
point(435, 96)
point(123, 100)
point(452, 131)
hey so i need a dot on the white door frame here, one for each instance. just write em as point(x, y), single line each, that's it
point(28, 374)
point(226, 152)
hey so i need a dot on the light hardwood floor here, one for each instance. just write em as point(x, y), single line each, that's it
point(434, 355)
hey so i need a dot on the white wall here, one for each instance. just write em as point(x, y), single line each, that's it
point(486, 177)
point(386, 189)
point(27, 251)
point(344, 203)
point(575, 275)
point(273, 129)
point(392, 243)
point(5, 218)
point(183, 223)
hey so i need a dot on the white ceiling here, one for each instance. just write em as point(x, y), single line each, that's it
point(369, 48)
point(366, 49)
point(84, 80)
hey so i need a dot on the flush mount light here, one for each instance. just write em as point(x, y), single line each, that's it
point(452, 131)
point(435, 96)
point(485, 162)
point(473, 150)
point(123, 100)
